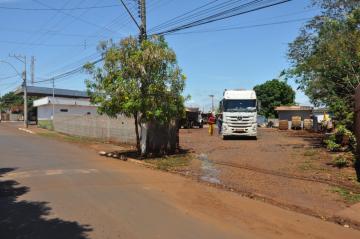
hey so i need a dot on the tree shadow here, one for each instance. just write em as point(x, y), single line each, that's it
point(26, 219)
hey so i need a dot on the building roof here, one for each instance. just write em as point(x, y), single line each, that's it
point(62, 101)
point(294, 108)
point(321, 110)
point(46, 91)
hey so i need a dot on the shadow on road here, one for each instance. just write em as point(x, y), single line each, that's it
point(25, 219)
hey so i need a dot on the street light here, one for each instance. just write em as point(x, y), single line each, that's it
point(212, 103)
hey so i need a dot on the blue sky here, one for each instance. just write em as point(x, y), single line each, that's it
point(212, 61)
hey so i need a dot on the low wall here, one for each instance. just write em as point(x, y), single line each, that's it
point(120, 130)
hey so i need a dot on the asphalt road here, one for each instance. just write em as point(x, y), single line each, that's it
point(63, 192)
point(53, 189)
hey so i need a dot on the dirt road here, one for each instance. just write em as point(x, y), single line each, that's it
point(53, 189)
point(287, 168)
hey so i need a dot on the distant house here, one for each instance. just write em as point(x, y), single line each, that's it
point(48, 107)
point(287, 112)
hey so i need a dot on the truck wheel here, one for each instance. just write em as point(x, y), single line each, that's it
point(201, 126)
point(224, 137)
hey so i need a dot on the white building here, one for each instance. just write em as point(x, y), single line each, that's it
point(48, 106)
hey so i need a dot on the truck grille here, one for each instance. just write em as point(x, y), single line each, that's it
point(239, 122)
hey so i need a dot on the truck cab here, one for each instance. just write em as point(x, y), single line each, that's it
point(239, 113)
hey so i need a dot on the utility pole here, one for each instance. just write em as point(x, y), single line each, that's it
point(212, 103)
point(142, 12)
point(53, 99)
point(32, 69)
point(23, 60)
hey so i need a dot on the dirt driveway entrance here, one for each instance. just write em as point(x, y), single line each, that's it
point(286, 168)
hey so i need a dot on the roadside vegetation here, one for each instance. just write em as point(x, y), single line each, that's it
point(348, 196)
point(274, 93)
point(325, 60)
point(139, 80)
point(172, 162)
point(67, 138)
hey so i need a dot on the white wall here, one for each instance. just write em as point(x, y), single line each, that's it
point(45, 111)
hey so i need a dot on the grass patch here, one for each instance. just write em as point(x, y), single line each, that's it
point(46, 124)
point(347, 195)
point(67, 138)
point(306, 165)
point(310, 153)
point(171, 162)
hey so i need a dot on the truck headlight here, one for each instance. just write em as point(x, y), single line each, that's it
point(224, 127)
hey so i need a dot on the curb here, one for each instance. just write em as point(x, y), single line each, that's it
point(27, 131)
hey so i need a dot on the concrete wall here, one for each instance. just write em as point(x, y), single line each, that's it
point(45, 111)
point(120, 130)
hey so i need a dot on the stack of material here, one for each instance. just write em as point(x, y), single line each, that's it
point(296, 122)
point(308, 124)
point(283, 125)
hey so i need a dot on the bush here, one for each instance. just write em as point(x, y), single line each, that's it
point(342, 140)
point(340, 162)
point(331, 144)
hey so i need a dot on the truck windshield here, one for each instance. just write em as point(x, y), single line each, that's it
point(239, 105)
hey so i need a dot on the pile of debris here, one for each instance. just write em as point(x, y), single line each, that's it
point(115, 154)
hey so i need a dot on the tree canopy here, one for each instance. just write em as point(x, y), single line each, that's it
point(274, 93)
point(10, 99)
point(325, 57)
point(139, 80)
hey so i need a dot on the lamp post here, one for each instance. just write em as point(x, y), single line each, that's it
point(212, 103)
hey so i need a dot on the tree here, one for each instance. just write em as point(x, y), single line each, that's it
point(10, 99)
point(325, 58)
point(274, 93)
point(142, 81)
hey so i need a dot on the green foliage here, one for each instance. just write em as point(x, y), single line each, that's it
point(10, 99)
point(274, 93)
point(340, 161)
point(342, 140)
point(171, 163)
point(325, 57)
point(46, 124)
point(347, 195)
point(138, 80)
point(331, 145)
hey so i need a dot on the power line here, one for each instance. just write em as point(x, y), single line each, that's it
point(229, 13)
point(40, 44)
point(59, 9)
point(72, 16)
point(241, 27)
point(69, 73)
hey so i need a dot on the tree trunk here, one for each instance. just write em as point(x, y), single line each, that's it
point(137, 133)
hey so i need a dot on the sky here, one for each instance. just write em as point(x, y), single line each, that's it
point(61, 40)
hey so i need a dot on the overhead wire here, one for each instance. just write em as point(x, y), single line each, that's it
point(222, 15)
point(240, 27)
point(58, 9)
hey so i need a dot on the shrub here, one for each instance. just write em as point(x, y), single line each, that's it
point(331, 145)
point(340, 162)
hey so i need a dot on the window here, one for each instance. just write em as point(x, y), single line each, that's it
point(239, 105)
point(64, 110)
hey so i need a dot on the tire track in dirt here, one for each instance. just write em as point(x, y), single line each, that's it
point(329, 182)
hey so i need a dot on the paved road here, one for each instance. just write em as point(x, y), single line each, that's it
point(70, 195)
point(52, 189)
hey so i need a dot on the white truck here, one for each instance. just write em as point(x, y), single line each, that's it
point(239, 113)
